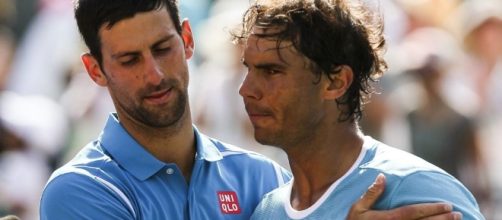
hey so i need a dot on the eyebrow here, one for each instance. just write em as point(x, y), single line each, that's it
point(162, 40)
point(267, 65)
point(132, 53)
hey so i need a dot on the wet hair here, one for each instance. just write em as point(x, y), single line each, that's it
point(91, 15)
point(329, 33)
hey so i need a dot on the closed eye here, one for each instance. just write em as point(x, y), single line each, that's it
point(130, 61)
point(162, 51)
point(271, 71)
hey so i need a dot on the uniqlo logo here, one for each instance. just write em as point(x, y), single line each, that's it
point(229, 204)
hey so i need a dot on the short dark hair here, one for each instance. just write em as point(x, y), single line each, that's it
point(92, 14)
point(330, 33)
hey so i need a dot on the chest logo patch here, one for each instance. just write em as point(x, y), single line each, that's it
point(229, 203)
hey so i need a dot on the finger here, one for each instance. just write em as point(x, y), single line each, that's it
point(423, 210)
point(445, 216)
point(374, 191)
point(361, 209)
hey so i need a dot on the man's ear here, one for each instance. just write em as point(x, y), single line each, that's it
point(341, 79)
point(186, 34)
point(94, 70)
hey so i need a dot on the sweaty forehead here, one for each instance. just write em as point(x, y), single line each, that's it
point(268, 35)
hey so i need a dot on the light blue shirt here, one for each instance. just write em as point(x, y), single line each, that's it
point(409, 180)
point(116, 178)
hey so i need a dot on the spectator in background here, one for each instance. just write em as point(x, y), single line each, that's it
point(442, 132)
point(45, 57)
point(480, 30)
point(33, 133)
point(481, 34)
point(7, 42)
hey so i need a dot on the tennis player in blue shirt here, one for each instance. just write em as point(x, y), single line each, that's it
point(311, 64)
point(150, 162)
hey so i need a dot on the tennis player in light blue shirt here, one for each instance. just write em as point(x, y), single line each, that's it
point(311, 67)
point(115, 178)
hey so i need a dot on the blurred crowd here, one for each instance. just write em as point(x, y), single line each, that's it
point(441, 98)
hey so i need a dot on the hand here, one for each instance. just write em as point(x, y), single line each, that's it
point(361, 210)
point(9, 217)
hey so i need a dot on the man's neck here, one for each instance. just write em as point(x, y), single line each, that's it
point(317, 165)
point(174, 144)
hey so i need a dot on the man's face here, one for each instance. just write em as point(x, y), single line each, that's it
point(281, 97)
point(144, 63)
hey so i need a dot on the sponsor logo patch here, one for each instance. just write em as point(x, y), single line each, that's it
point(229, 203)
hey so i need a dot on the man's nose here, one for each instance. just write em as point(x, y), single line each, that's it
point(250, 87)
point(153, 71)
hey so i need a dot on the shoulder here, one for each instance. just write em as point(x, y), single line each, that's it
point(92, 160)
point(85, 188)
point(394, 161)
point(81, 194)
point(412, 180)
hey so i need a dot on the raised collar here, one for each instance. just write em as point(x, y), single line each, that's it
point(129, 154)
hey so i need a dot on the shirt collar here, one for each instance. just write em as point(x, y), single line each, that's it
point(129, 154)
point(206, 147)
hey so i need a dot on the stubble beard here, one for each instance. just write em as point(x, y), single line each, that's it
point(167, 115)
point(267, 137)
point(162, 117)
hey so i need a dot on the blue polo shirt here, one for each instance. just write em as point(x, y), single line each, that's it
point(409, 180)
point(114, 177)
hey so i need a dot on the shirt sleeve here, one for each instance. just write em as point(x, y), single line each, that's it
point(76, 196)
point(423, 187)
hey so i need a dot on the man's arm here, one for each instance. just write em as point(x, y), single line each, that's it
point(361, 210)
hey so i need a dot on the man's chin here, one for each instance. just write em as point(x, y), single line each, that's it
point(164, 117)
point(169, 121)
point(263, 138)
point(159, 120)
